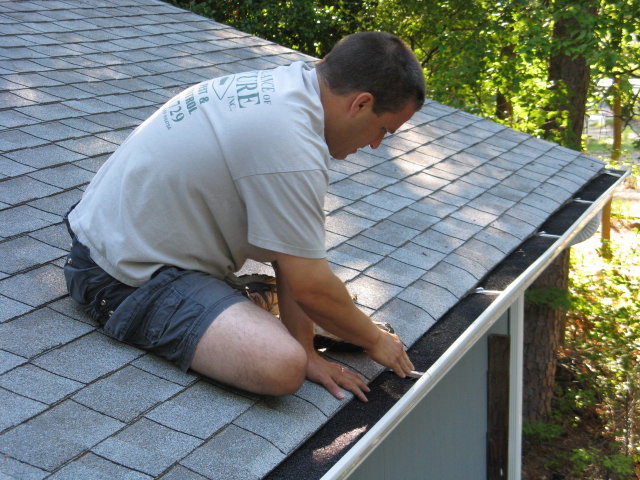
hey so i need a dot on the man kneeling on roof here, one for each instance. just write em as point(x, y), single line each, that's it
point(232, 169)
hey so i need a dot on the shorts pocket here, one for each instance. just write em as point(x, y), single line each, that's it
point(82, 275)
point(156, 318)
point(155, 323)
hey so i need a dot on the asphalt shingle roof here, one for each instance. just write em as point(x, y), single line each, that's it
point(412, 227)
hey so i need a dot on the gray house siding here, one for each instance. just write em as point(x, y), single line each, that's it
point(445, 435)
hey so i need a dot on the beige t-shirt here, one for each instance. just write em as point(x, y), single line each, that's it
point(230, 169)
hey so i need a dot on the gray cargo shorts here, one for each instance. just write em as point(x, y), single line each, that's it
point(168, 315)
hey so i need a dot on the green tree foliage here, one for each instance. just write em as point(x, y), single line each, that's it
point(619, 56)
point(603, 339)
point(494, 58)
point(310, 26)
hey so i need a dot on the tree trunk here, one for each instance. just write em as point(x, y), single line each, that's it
point(543, 333)
point(544, 327)
point(504, 106)
point(571, 71)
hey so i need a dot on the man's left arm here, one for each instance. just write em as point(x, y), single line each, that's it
point(328, 374)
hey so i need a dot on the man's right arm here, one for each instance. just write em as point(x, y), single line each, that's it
point(324, 298)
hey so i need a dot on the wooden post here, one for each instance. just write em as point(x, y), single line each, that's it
point(498, 407)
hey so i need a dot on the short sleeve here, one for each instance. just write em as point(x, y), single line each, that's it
point(285, 211)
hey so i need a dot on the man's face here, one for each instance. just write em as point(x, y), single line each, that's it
point(364, 128)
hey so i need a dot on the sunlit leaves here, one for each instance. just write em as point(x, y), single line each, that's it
point(473, 49)
point(604, 332)
point(311, 26)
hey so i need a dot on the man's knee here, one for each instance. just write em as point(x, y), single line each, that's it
point(249, 348)
point(289, 369)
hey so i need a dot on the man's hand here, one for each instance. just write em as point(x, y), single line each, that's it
point(333, 376)
point(308, 291)
point(389, 351)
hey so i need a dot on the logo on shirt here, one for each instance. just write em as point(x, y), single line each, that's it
point(252, 88)
point(221, 85)
point(186, 104)
point(240, 91)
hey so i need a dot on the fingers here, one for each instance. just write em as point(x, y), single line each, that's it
point(351, 381)
point(404, 365)
point(335, 377)
point(390, 352)
point(340, 376)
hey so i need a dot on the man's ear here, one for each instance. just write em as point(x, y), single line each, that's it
point(362, 103)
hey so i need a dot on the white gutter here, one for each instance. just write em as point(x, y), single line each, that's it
point(365, 446)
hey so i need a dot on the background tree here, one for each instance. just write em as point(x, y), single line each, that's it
point(546, 304)
point(310, 26)
point(574, 22)
point(531, 64)
point(618, 59)
point(534, 65)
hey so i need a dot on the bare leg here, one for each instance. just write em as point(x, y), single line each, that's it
point(249, 348)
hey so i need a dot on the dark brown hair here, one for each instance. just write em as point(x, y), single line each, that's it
point(378, 63)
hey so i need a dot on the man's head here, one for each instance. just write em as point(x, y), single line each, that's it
point(378, 63)
point(370, 85)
